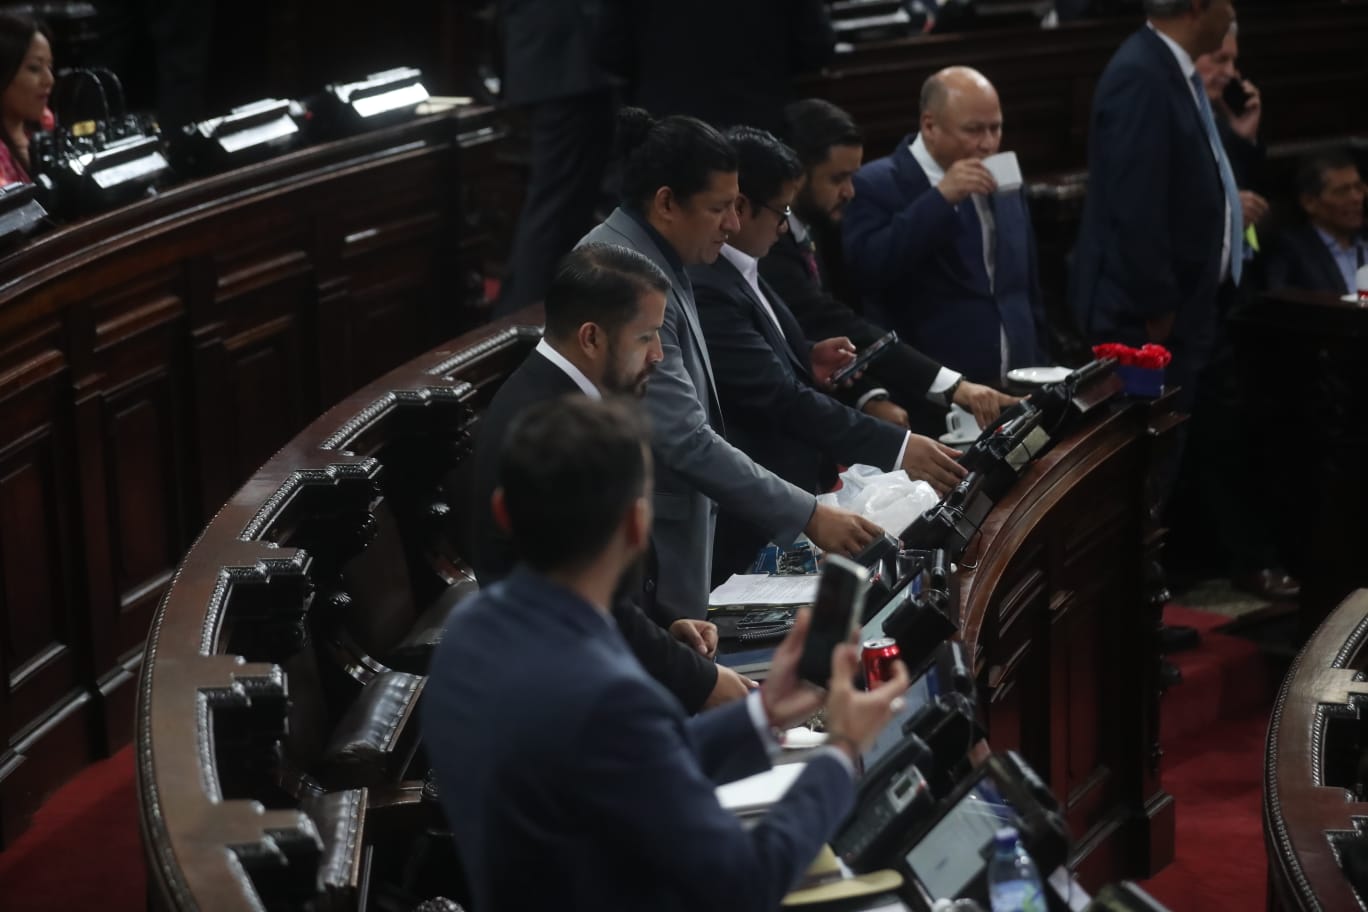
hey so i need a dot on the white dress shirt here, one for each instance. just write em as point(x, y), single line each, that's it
point(749, 267)
point(934, 174)
point(574, 373)
point(1188, 67)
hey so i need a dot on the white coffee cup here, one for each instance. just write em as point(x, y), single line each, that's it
point(960, 424)
point(1362, 281)
point(1006, 170)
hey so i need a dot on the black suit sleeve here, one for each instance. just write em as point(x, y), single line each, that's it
point(904, 371)
point(755, 387)
point(683, 672)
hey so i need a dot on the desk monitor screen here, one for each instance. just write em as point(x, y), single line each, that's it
point(921, 692)
point(950, 855)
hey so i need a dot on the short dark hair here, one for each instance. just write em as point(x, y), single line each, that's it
point(599, 283)
point(570, 469)
point(1310, 176)
point(677, 152)
point(765, 163)
point(814, 125)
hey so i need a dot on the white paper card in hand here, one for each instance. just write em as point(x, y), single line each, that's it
point(1006, 170)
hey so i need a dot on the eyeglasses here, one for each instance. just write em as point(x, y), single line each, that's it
point(782, 213)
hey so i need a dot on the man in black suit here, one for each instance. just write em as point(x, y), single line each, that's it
point(718, 60)
point(1159, 256)
point(1326, 253)
point(551, 58)
point(603, 312)
point(569, 778)
point(769, 377)
point(830, 147)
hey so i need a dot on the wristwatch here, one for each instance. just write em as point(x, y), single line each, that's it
point(948, 394)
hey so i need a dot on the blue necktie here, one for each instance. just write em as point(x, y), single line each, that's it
point(1232, 191)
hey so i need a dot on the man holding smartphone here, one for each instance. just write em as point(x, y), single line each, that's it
point(572, 764)
point(1238, 109)
point(772, 381)
point(905, 387)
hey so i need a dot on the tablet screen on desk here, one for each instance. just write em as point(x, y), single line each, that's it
point(922, 691)
point(951, 854)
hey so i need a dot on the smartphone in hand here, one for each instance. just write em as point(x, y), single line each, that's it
point(864, 358)
point(1235, 96)
point(840, 602)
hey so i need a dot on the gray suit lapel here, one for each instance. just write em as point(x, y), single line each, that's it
point(627, 226)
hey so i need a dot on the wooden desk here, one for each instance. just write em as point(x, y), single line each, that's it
point(1051, 603)
point(1313, 802)
point(1053, 609)
point(1302, 363)
point(152, 357)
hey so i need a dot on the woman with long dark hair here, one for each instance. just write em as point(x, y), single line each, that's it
point(26, 74)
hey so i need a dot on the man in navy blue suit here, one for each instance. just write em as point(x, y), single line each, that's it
point(1159, 256)
point(570, 778)
point(1162, 225)
point(938, 252)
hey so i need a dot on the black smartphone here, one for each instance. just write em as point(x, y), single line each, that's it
point(1235, 96)
point(840, 601)
point(865, 358)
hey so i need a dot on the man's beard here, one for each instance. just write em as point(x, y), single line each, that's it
point(615, 382)
point(809, 214)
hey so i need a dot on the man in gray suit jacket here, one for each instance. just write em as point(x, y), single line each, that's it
point(679, 190)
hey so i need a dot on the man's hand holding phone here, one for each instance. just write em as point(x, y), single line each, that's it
point(854, 718)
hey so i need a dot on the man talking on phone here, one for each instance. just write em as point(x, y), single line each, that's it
point(571, 779)
point(771, 380)
point(1237, 108)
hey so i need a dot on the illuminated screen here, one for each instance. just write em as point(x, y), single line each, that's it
point(922, 691)
point(950, 855)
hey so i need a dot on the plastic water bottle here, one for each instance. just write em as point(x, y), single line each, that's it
point(1013, 881)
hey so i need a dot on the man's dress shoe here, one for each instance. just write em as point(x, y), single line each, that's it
point(1272, 583)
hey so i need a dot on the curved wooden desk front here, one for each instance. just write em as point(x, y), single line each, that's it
point(153, 356)
point(1313, 805)
point(1052, 613)
point(1053, 609)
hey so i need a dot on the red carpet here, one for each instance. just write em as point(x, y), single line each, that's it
point(82, 851)
point(1212, 729)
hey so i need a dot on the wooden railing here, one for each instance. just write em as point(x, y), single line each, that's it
point(1315, 789)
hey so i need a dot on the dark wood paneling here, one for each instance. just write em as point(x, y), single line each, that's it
point(1053, 608)
point(152, 358)
point(1308, 67)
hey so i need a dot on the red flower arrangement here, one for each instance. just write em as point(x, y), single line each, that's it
point(1147, 357)
point(1141, 369)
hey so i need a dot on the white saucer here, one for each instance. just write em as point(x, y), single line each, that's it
point(1038, 375)
point(1350, 299)
point(954, 440)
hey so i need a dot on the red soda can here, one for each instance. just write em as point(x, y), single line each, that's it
point(878, 657)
